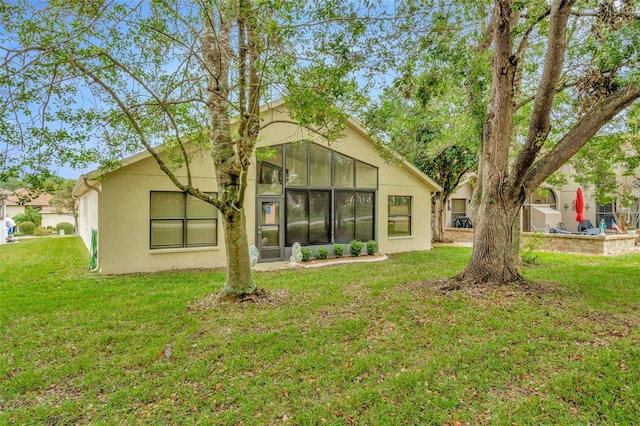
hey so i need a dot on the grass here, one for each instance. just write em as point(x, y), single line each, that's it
point(364, 344)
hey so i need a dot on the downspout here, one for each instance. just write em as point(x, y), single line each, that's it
point(85, 181)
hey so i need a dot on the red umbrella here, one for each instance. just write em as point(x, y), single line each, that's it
point(579, 206)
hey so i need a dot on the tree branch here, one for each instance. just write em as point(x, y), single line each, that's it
point(588, 125)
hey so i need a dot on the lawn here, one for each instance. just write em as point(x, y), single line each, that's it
point(359, 344)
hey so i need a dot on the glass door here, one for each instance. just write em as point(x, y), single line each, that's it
point(269, 237)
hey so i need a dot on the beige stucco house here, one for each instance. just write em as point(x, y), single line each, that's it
point(15, 203)
point(548, 209)
point(303, 191)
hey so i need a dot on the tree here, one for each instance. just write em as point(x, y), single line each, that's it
point(177, 78)
point(62, 198)
point(566, 61)
point(441, 144)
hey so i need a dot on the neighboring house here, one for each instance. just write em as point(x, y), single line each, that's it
point(306, 192)
point(18, 200)
point(549, 208)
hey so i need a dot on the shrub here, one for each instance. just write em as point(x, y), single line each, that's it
point(530, 245)
point(338, 250)
point(66, 226)
point(30, 214)
point(355, 247)
point(322, 254)
point(40, 231)
point(372, 247)
point(27, 227)
point(306, 254)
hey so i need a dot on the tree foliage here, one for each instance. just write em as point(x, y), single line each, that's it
point(558, 72)
point(177, 78)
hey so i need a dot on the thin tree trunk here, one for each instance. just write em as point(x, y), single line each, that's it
point(437, 227)
point(239, 279)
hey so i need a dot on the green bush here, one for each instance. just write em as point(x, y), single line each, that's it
point(306, 254)
point(338, 250)
point(372, 247)
point(355, 247)
point(27, 227)
point(40, 231)
point(66, 226)
point(30, 214)
point(322, 254)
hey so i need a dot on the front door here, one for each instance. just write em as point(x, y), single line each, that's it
point(269, 233)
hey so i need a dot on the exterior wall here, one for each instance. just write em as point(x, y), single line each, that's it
point(14, 210)
point(88, 210)
point(584, 244)
point(465, 192)
point(52, 219)
point(578, 244)
point(124, 245)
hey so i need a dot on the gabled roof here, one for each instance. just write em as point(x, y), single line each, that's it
point(81, 184)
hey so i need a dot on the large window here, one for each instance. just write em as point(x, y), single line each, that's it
point(399, 215)
point(328, 196)
point(308, 217)
point(179, 220)
point(269, 171)
point(354, 216)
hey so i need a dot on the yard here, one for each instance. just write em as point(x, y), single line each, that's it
point(361, 344)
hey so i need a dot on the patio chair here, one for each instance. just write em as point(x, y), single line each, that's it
point(536, 229)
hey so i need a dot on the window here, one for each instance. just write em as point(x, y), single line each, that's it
point(458, 208)
point(181, 220)
point(320, 167)
point(296, 163)
point(604, 211)
point(399, 215)
point(308, 217)
point(366, 175)
point(269, 171)
point(343, 171)
point(354, 216)
point(328, 197)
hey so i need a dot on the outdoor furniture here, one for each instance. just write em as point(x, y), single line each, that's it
point(462, 222)
point(585, 225)
point(591, 231)
point(536, 229)
point(559, 231)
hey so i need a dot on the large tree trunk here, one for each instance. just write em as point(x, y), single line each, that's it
point(492, 260)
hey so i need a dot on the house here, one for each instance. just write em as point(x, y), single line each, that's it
point(303, 191)
point(547, 208)
point(17, 201)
